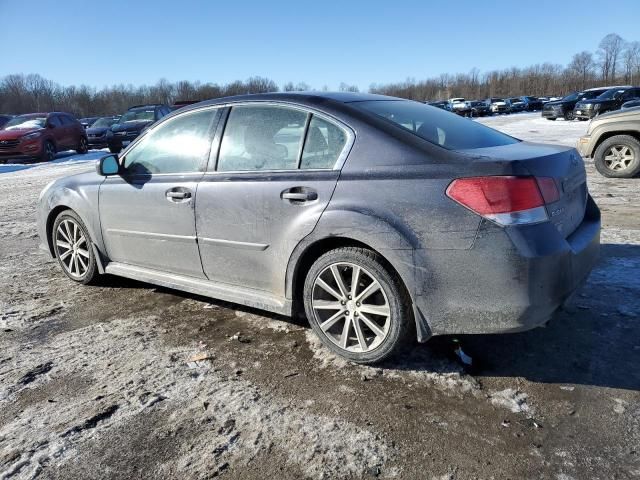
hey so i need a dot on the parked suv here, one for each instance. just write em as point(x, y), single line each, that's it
point(613, 141)
point(38, 136)
point(133, 123)
point(608, 101)
point(478, 108)
point(460, 106)
point(516, 105)
point(563, 108)
point(531, 103)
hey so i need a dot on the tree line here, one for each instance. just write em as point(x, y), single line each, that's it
point(616, 61)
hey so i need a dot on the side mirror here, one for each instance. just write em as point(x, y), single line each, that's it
point(108, 165)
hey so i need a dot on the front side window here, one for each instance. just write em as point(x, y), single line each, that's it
point(55, 121)
point(179, 145)
point(138, 115)
point(323, 145)
point(442, 128)
point(262, 138)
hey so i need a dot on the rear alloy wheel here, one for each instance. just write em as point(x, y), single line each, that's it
point(48, 151)
point(83, 146)
point(618, 157)
point(73, 248)
point(356, 306)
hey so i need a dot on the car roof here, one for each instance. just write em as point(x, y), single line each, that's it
point(303, 97)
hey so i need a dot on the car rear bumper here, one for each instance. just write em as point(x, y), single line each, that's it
point(512, 280)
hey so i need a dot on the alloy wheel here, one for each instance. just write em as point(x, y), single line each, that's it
point(72, 248)
point(50, 151)
point(618, 157)
point(351, 307)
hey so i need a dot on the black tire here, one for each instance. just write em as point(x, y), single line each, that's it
point(605, 169)
point(83, 146)
point(400, 323)
point(115, 149)
point(48, 151)
point(91, 274)
point(569, 115)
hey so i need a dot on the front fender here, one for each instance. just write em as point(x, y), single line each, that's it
point(82, 199)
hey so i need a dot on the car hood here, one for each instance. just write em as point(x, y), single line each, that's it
point(131, 126)
point(555, 102)
point(627, 114)
point(17, 133)
point(97, 130)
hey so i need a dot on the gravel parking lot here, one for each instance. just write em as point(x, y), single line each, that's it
point(127, 380)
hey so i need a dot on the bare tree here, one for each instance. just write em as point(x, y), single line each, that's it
point(345, 87)
point(631, 60)
point(581, 66)
point(609, 51)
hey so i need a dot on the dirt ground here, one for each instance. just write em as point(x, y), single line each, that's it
point(100, 382)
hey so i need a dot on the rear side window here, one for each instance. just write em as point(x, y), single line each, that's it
point(262, 138)
point(437, 126)
point(323, 145)
point(55, 121)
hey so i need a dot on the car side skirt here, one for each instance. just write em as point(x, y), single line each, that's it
point(226, 292)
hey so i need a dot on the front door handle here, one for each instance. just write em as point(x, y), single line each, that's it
point(178, 194)
point(299, 194)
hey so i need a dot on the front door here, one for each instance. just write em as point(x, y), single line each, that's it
point(276, 172)
point(147, 214)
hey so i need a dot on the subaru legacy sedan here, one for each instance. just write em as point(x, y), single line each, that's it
point(382, 220)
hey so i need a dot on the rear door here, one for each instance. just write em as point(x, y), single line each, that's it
point(276, 171)
point(147, 214)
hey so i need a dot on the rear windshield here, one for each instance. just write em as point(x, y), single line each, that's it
point(435, 125)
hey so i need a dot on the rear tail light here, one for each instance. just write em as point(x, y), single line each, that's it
point(506, 200)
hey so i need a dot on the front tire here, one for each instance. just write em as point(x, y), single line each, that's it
point(48, 151)
point(73, 248)
point(357, 306)
point(569, 115)
point(618, 157)
point(83, 146)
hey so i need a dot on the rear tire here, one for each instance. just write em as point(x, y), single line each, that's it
point(368, 322)
point(618, 157)
point(73, 248)
point(569, 116)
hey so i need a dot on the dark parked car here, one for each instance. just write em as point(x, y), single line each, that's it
point(631, 104)
point(182, 103)
point(97, 132)
point(563, 108)
point(608, 101)
point(88, 121)
point(4, 119)
point(532, 104)
point(132, 124)
point(340, 205)
point(443, 105)
point(516, 105)
point(38, 136)
point(478, 108)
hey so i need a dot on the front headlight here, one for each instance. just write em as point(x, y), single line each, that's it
point(32, 136)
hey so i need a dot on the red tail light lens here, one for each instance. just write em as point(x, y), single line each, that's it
point(505, 200)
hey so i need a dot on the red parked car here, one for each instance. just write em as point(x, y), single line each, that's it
point(38, 136)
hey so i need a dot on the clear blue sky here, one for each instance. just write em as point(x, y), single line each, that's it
point(320, 42)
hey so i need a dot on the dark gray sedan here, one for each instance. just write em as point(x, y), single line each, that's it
point(382, 219)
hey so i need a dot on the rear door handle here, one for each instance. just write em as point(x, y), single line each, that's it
point(177, 194)
point(299, 194)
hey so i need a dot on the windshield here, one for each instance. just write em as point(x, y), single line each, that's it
point(104, 122)
point(137, 115)
point(435, 125)
point(609, 94)
point(25, 122)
